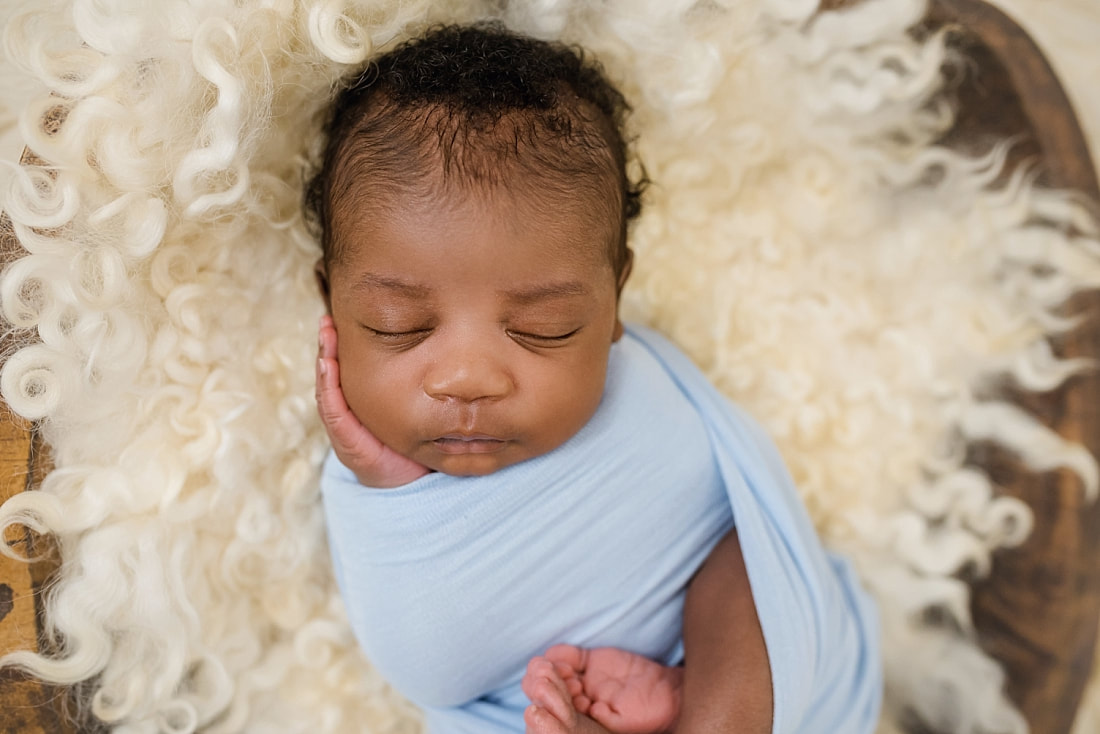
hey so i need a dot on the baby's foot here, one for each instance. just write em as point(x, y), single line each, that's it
point(626, 693)
point(552, 710)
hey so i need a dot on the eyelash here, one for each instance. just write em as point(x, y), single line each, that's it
point(416, 335)
point(541, 338)
point(400, 338)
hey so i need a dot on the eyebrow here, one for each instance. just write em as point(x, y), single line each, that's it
point(404, 287)
point(547, 291)
point(540, 292)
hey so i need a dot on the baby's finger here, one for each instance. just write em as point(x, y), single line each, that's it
point(326, 338)
point(346, 432)
point(350, 439)
point(330, 398)
point(328, 375)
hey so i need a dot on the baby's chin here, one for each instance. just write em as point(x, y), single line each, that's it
point(469, 466)
point(470, 463)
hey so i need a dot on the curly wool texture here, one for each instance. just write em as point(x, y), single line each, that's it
point(852, 286)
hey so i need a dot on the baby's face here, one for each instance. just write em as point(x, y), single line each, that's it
point(473, 334)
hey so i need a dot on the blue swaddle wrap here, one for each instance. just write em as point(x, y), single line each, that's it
point(453, 583)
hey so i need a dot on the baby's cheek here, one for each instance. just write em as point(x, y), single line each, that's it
point(381, 398)
point(567, 404)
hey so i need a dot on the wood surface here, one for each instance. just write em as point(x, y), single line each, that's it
point(27, 705)
point(1037, 612)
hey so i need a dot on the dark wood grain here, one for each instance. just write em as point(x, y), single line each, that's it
point(1011, 90)
point(27, 705)
point(1037, 612)
point(826, 5)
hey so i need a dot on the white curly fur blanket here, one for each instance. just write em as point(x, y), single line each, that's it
point(794, 244)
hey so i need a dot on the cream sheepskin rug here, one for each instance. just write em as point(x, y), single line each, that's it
point(852, 286)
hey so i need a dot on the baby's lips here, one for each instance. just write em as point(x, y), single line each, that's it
point(469, 444)
point(467, 436)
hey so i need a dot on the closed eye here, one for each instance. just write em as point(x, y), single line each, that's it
point(543, 339)
point(399, 338)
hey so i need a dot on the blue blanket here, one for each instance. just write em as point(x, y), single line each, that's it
point(453, 583)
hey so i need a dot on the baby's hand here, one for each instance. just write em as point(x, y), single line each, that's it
point(373, 463)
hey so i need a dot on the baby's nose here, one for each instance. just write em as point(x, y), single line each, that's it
point(468, 377)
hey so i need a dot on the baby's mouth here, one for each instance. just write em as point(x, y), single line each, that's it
point(473, 443)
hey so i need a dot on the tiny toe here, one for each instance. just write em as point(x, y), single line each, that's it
point(536, 669)
point(582, 703)
point(604, 714)
point(541, 721)
point(549, 696)
point(570, 655)
point(564, 669)
point(527, 685)
point(574, 686)
point(538, 664)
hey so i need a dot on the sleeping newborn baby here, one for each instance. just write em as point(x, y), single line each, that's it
point(539, 519)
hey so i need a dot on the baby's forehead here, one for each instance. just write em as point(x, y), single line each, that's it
point(570, 224)
point(516, 194)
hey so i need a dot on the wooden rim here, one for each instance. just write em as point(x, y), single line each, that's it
point(1037, 612)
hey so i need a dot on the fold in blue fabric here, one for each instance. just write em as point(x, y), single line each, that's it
point(453, 583)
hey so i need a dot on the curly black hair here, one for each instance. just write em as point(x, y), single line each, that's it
point(471, 105)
